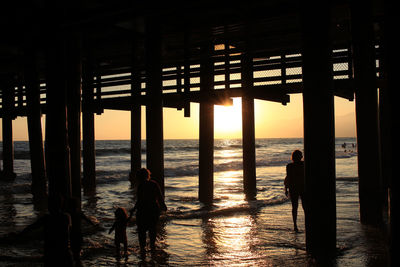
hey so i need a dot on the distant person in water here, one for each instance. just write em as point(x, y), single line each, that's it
point(119, 225)
point(294, 183)
point(56, 229)
point(149, 204)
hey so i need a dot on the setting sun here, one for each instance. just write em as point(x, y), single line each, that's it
point(228, 120)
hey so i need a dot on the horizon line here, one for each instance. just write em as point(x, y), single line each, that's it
point(238, 138)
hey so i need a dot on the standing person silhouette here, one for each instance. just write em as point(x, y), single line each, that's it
point(294, 183)
point(149, 204)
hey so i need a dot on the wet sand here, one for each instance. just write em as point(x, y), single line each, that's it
point(255, 233)
point(252, 237)
point(263, 237)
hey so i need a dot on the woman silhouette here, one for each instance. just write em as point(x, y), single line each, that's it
point(294, 183)
point(150, 203)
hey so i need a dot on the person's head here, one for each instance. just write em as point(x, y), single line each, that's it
point(143, 175)
point(297, 155)
point(120, 213)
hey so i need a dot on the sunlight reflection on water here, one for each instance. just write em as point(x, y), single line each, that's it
point(233, 236)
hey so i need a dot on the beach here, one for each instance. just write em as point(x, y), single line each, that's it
point(231, 232)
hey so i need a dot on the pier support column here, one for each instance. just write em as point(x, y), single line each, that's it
point(319, 132)
point(136, 114)
point(392, 70)
point(74, 76)
point(8, 143)
point(154, 107)
point(248, 131)
point(57, 145)
point(88, 134)
point(136, 126)
point(206, 136)
point(370, 186)
point(34, 114)
point(384, 137)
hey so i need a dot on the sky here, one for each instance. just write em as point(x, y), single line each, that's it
point(272, 120)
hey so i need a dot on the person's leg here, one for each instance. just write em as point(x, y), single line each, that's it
point(142, 241)
point(303, 204)
point(295, 203)
point(125, 247)
point(117, 248)
point(153, 235)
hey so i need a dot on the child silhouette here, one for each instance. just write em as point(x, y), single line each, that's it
point(119, 225)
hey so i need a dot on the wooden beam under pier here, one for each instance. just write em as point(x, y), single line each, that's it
point(217, 97)
point(275, 92)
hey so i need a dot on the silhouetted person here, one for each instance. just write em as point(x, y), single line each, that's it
point(74, 210)
point(119, 225)
point(56, 228)
point(149, 204)
point(294, 183)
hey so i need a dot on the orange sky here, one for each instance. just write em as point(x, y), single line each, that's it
point(273, 120)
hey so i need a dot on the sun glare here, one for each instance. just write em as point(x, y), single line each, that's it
point(228, 120)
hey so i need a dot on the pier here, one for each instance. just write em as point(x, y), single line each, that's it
point(69, 60)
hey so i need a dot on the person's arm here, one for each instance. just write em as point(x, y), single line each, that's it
point(286, 187)
point(160, 198)
point(286, 182)
point(131, 213)
point(112, 228)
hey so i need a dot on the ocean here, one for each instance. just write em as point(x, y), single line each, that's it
point(233, 231)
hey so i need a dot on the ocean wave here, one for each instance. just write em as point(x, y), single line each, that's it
point(114, 151)
point(25, 155)
point(207, 212)
point(22, 154)
point(229, 165)
point(109, 177)
point(349, 179)
point(189, 170)
point(188, 148)
point(15, 189)
point(345, 154)
point(168, 149)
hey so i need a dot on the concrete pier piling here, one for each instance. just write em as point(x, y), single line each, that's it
point(319, 142)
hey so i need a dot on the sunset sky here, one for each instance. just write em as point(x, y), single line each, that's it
point(273, 120)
